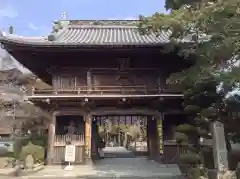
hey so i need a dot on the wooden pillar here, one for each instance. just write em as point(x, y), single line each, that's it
point(148, 139)
point(159, 135)
point(95, 138)
point(150, 136)
point(88, 136)
point(155, 138)
point(51, 136)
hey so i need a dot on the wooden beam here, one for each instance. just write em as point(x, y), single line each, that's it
point(100, 96)
point(71, 111)
point(117, 111)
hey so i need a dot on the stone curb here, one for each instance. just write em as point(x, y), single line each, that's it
point(20, 173)
point(35, 170)
point(99, 177)
point(9, 174)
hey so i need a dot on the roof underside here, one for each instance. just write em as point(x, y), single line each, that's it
point(94, 35)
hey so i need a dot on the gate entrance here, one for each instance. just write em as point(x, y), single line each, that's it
point(128, 131)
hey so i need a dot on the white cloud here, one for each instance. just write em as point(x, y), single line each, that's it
point(8, 11)
point(130, 18)
point(125, 18)
point(33, 27)
point(41, 29)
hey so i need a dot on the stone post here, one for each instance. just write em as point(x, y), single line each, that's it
point(219, 146)
point(51, 136)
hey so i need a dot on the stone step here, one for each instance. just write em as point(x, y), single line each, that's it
point(118, 155)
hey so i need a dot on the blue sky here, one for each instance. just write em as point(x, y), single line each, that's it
point(35, 17)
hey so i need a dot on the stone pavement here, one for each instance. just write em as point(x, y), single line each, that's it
point(135, 167)
point(128, 166)
point(117, 152)
point(112, 168)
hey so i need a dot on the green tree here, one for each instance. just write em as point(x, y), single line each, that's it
point(212, 31)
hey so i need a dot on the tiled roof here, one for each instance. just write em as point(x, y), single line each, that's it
point(108, 35)
point(89, 34)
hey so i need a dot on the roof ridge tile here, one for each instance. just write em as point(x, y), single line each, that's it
point(102, 27)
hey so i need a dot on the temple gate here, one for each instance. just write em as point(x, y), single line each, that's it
point(105, 71)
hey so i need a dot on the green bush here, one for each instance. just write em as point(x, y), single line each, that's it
point(209, 112)
point(186, 128)
point(181, 137)
point(190, 158)
point(193, 173)
point(192, 109)
point(34, 150)
point(203, 133)
point(207, 153)
point(191, 148)
point(3, 151)
point(17, 146)
point(40, 141)
point(188, 93)
point(10, 155)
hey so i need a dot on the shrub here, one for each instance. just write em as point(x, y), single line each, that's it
point(3, 151)
point(190, 158)
point(186, 128)
point(192, 109)
point(193, 173)
point(40, 141)
point(207, 153)
point(18, 144)
point(34, 150)
point(181, 137)
point(209, 112)
point(203, 133)
point(191, 148)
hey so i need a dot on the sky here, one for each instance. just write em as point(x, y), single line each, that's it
point(35, 17)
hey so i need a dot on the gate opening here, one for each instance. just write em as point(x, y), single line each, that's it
point(122, 136)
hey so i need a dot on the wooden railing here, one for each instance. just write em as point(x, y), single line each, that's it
point(59, 147)
point(61, 140)
point(110, 90)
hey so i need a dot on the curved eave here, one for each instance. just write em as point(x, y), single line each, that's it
point(52, 44)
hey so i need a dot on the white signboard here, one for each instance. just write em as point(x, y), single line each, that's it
point(70, 151)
